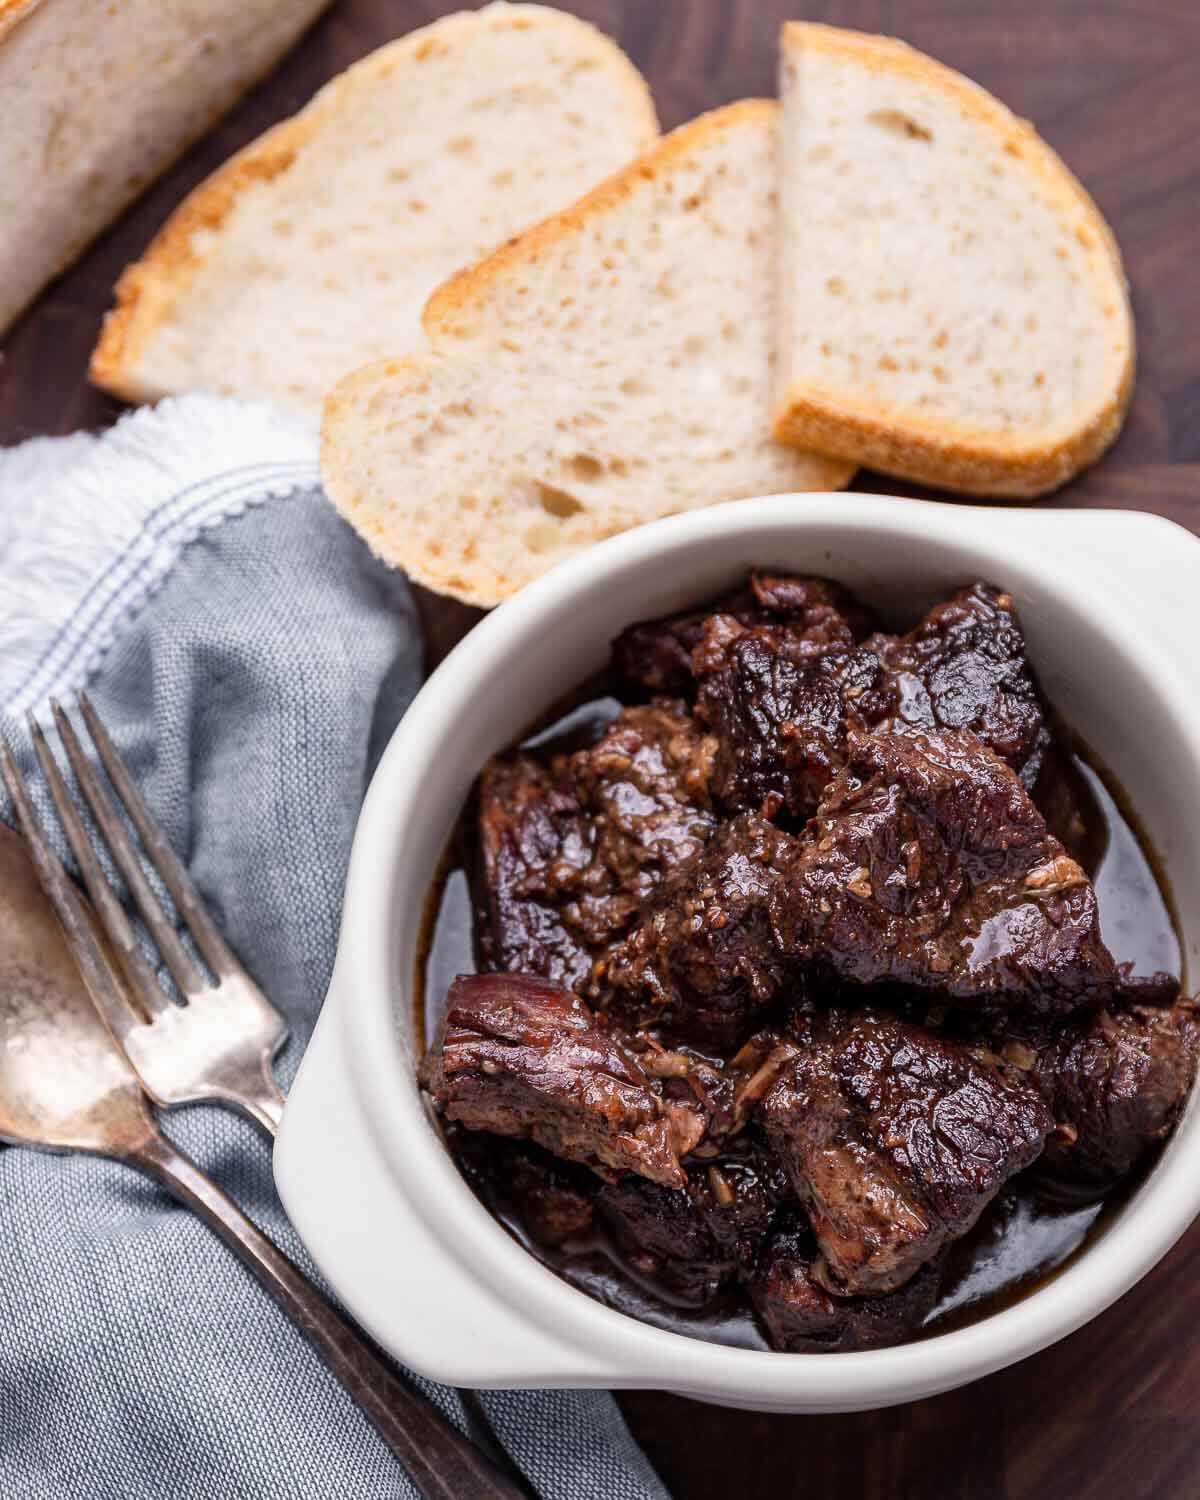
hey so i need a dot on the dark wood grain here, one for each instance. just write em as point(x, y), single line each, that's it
point(1115, 86)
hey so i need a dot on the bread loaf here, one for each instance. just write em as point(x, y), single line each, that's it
point(96, 99)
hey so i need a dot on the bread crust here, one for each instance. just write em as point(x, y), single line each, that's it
point(13, 12)
point(149, 287)
point(450, 301)
point(972, 464)
point(938, 451)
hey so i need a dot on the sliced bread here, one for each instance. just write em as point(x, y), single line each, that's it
point(612, 365)
point(315, 248)
point(953, 305)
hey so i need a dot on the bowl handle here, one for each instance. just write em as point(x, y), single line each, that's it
point(407, 1288)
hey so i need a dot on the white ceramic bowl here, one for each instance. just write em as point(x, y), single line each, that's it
point(1108, 602)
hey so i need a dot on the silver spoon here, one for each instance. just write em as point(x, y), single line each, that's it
point(64, 1086)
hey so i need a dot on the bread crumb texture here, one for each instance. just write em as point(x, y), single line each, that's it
point(953, 307)
point(313, 251)
point(611, 366)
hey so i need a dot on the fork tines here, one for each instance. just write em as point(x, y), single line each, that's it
point(219, 1051)
point(116, 924)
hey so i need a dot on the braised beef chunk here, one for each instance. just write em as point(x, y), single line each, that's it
point(964, 667)
point(723, 1094)
point(780, 703)
point(536, 845)
point(895, 1139)
point(697, 1238)
point(518, 1056)
point(552, 1198)
point(927, 865)
point(657, 654)
point(823, 609)
point(702, 961)
point(663, 1234)
point(801, 1317)
point(1115, 1085)
point(571, 851)
point(741, 1193)
point(646, 786)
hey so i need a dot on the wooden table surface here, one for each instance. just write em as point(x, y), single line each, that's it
point(1115, 85)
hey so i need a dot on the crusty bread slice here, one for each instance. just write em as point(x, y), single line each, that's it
point(314, 249)
point(97, 99)
point(612, 365)
point(953, 304)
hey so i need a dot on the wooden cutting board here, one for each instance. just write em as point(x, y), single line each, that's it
point(1112, 1413)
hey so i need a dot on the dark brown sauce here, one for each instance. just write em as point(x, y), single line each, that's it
point(1018, 1244)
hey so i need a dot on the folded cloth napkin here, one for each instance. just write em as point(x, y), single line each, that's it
point(251, 659)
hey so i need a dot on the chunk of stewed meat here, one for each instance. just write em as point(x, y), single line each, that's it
point(657, 654)
point(535, 846)
point(646, 786)
point(702, 961)
point(800, 1316)
point(780, 710)
point(553, 1199)
point(518, 1056)
point(780, 704)
point(927, 865)
point(964, 667)
point(895, 1138)
point(825, 610)
point(570, 851)
point(723, 1093)
point(694, 1240)
point(1115, 1084)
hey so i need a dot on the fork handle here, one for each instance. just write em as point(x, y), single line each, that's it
point(442, 1463)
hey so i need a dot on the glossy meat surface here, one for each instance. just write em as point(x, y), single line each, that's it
point(570, 851)
point(781, 705)
point(517, 1056)
point(964, 667)
point(698, 1238)
point(1115, 1084)
point(800, 1316)
point(657, 654)
point(895, 1139)
point(701, 960)
point(535, 845)
point(927, 865)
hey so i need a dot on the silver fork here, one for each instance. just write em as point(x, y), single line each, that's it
point(219, 1045)
point(62, 1090)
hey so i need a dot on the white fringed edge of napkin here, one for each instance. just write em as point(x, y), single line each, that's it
point(90, 525)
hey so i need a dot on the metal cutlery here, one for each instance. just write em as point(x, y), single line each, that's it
point(218, 1046)
point(67, 1085)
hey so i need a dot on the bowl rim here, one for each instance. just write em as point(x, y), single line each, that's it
point(1145, 1228)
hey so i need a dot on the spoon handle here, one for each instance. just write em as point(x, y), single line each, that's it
point(442, 1463)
